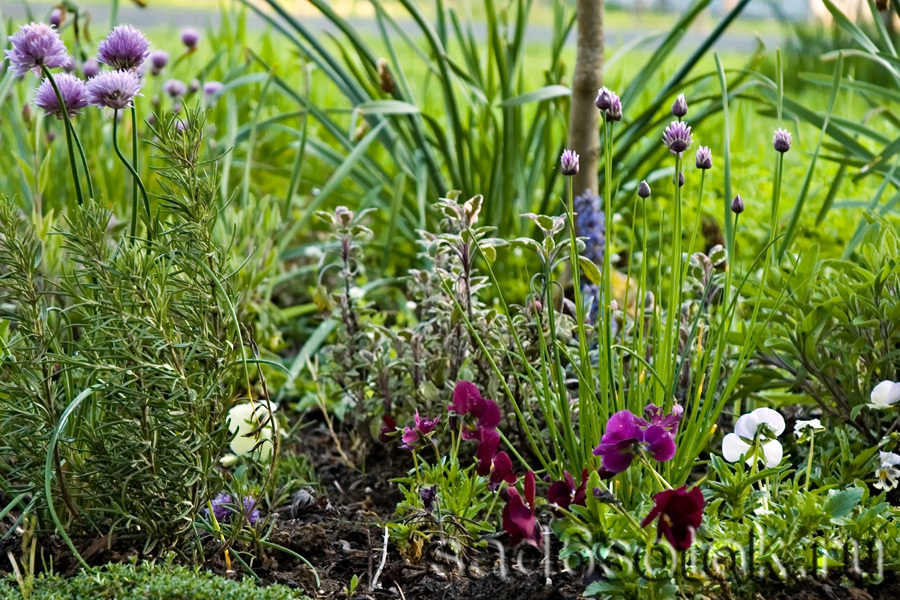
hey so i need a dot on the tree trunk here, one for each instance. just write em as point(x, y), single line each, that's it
point(584, 131)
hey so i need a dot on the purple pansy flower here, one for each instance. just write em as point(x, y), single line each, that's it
point(467, 401)
point(501, 470)
point(627, 434)
point(35, 46)
point(125, 48)
point(413, 437)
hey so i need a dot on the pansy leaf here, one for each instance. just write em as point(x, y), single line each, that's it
point(840, 504)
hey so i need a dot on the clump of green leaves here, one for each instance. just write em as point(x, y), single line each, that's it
point(117, 373)
point(836, 336)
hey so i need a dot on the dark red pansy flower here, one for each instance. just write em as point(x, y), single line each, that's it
point(501, 470)
point(467, 401)
point(519, 520)
point(388, 430)
point(680, 513)
point(564, 493)
point(486, 451)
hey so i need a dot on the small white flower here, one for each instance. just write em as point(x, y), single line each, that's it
point(888, 473)
point(245, 419)
point(740, 443)
point(884, 395)
point(806, 427)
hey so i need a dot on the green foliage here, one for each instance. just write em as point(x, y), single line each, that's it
point(119, 369)
point(836, 337)
point(146, 581)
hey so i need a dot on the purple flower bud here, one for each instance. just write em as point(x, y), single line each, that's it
point(211, 88)
point(113, 89)
point(428, 496)
point(72, 90)
point(190, 37)
point(194, 86)
point(680, 108)
point(56, 17)
point(680, 179)
point(125, 48)
point(615, 110)
point(737, 205)
point(677, 137)
point(90, 68)
point(604, 98)
point(175, 88)
point(704, 158)
point(569, 162)
point(35, 46)
point(782, 140)
point(69, 67)
point(158, 61)
point(644, 190)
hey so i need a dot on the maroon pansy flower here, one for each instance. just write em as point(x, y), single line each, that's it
point(564, 493)
point(501, 470)
point(467, 401)
point(486, 451)
point(388, 430)
point(680, 513)
point(519, 520)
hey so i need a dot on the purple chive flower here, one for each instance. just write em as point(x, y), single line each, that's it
point(614, 113)
point(35, 46)
point(69, 67)
point(604, 98)
point(569, 162)
point(175, 88)
point(680, 179)
point(194, 86)
point(158, 61)
point(414, 436)
point(211, 88)
point(626, 435)
point(737, 205)
point(782, 140)
point(704, 158)
point(644, 190)
point(56, 17)
point(113, 89)
point(72, 90)
point(90, 68)
point(677, 137)
point(125, 48)
point(190, 37)
point(680, 108)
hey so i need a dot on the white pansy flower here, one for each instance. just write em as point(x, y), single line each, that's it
point(806, 427)
point(741, 442)
point(888, 473)
point(243, 421)
point(884, 395)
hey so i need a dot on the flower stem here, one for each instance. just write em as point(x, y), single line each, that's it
point(662, 481)
point(137, 179)
point(812, 445)
point(134, 162)
point(69, 131)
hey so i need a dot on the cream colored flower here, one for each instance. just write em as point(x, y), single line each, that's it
point(741, 442)
point(251, 437)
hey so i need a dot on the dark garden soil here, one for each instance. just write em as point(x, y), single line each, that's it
point(337, 530)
